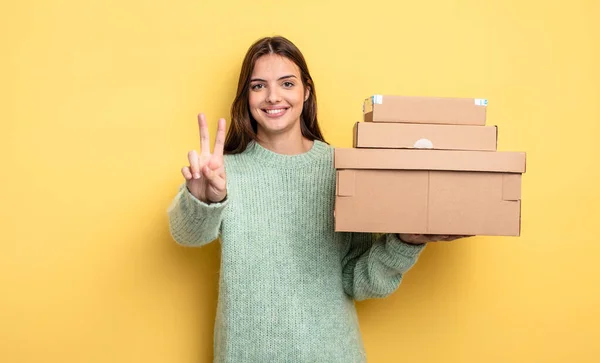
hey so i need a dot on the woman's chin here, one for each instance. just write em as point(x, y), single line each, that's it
point(276, 126)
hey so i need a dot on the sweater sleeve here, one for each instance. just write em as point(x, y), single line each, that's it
point(193, 222)
point(374, 264)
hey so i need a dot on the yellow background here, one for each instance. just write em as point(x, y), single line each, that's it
point(98, 103)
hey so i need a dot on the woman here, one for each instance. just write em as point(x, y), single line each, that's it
point(287, 280)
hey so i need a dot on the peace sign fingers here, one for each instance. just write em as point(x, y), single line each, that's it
point(205, 175)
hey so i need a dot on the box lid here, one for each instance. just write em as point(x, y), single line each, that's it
point(416, 159)
point(431, 110)
point(424, 136)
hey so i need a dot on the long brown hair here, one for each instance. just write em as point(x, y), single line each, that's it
point(243, 126)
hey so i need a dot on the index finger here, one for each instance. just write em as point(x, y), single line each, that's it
point(204, 137)
point(220, 141)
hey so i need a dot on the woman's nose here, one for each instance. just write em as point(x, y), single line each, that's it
point(273, 96)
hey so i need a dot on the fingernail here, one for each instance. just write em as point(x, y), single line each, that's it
point(196, 175)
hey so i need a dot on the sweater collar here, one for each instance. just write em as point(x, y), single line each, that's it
point(264, 155)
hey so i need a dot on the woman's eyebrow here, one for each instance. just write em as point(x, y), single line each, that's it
point(279, 79)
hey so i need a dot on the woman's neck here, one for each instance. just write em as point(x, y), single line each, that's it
point(285, 143)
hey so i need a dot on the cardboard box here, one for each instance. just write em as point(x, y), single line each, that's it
point(428, 191)
point(429, 110)
point(423, 136)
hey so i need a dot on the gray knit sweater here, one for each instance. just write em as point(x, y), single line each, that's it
point(287, 280)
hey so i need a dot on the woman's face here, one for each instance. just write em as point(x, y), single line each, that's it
point(276, 95)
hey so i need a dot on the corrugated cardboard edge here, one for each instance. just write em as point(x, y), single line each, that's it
point(355, 135)
point(496, 148)
point(519, 224)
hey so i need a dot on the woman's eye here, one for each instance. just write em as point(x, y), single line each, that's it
point(288, 84)
point(256, 86)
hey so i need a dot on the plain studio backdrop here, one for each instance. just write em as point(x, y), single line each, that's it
point(99, 102)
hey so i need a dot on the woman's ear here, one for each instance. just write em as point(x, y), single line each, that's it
point(306, 94)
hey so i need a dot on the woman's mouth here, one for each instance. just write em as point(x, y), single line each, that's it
point(275, 112)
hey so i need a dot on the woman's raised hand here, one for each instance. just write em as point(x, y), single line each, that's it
point(205, 174)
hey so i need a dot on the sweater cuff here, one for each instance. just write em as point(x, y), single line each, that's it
point(403, 248)
point(202, 207)
point(186, 206)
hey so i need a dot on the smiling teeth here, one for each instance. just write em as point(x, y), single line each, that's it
point(275, 111)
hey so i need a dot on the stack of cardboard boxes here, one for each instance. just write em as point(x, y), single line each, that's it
point(427, 165)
